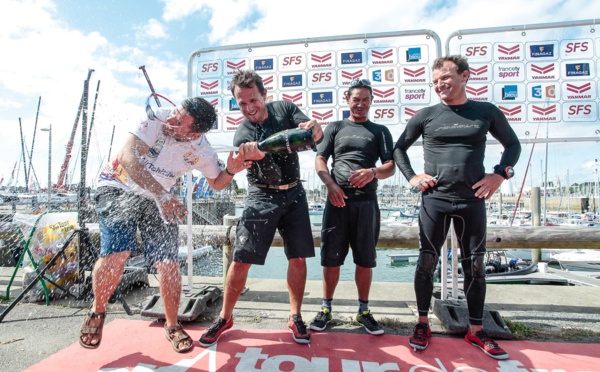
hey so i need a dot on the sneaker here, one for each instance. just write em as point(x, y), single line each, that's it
point(320, 321)
point(370, 324)
point(485, 343)
point(298, 328)
point(420, 336)
point(215, 331)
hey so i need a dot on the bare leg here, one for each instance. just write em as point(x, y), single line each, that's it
point(296, 282)
point(363, 277)
point(331, 277)
point(170, 291)
point(234, 285)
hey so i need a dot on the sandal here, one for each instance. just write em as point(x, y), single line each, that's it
point(87, 329)
point(177, 340)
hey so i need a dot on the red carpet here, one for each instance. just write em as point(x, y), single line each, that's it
point(134, 345)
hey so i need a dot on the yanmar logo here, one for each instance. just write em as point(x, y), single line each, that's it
point(292, 98)
point(236, 65)
point(409, 112)
point(478, 71)
point(544, 111)
point(235, 120)
point(544, 70)
point(351, 75)
point(208, 86)
point(322, 115)
point(414, 73)
point(579, 88)
point(320, 59)
point(382, 55)
point(268, 80)
point(214, 102)
point(510, 112)
point(383, 93)
point(477, 91)
point(509, 50)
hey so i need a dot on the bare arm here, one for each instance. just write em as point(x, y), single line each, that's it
point(334, 192)
point(235, 164)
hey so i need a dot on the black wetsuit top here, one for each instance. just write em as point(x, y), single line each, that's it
point(355, 146)
point(454, 145)
point(274, 169)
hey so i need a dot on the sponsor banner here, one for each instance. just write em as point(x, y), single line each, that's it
point(324, 116)
point(577, 70)
point(543, 92)
point(208, 87)
point(322, 79)
point(509, 92)
point(265, 64)
point(225, 84)
point(322, 98)
point(509, 72)
point(343, 113)
point(578, 90)
point(542, 50)
point(387, 115)
point(577, 49)
point(352, 58)
point(509, 52)
point(414, 54)
point(580, 111)
point(269, 82)
point(415, 74)
point(324, 59)
point(540, 112)
point(230, 105)
point(292, 81)
point(210, 69)
point(382, 56)
point(383, 75)
point(480, 73)
point(346, 75)
point(231, 122)
point(407, 112)
point(515, 113)
point(481, 52)
point(297, 97)
point(292, 62)
point(216, 102)
point(541, 71)
point(386, 95)
point(479, 92)
point(231, 66)
point(415, 94)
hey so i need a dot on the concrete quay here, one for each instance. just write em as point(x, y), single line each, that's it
point(32, 332)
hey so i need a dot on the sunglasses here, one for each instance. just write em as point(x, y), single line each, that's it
point(360, 83)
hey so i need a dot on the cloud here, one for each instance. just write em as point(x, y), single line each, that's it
point(153, 30)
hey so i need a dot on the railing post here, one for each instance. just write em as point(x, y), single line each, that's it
point(230, 222)
point(536, 254)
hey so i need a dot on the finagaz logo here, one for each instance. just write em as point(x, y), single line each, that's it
point(209, 85)
point(236, 65)
point(382, 55)
point(322, 115)
point(235, 120)
point(292, 81)
point(510, 111)
point(541, 51)
point(509, 50)
point(544, 111)
point(383, 93)
point(322, 98)
point(292, 97)
point(351, 58)
point(352, 75)
point(263, 64)
point(543, 70)
point(414, 73)
point(578, 69)
point(579, 88)
point(477, 91)
point(478, 71)
point(320, 59)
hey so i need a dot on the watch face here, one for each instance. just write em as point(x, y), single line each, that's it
point(509, 171)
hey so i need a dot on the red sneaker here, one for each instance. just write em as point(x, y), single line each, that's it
point(298, 328)
point(486, 344)
point(420, 336)
point(215, 331)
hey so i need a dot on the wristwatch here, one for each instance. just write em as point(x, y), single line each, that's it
point(505, 171)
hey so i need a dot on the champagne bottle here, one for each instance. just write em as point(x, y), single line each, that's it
point(288, 141)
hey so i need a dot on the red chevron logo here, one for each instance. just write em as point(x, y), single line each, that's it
point(235, 121)
point(214, 102)
point(510, 112)
point(322, 58)
point(209, 86)
point(542, 69)
point(509, 51)
point(351, 75)
point(292, 98)
point(268, 80)
point(383, 93)
point(235, 66)
point(579, 88)
point(544, 111)
point(414, 73)
point(477, 91)
point(322, 115)
point(382, 55)
point(410, 112)
point(478, 71)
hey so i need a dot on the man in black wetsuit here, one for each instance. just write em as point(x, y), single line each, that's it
point(276, 200)
point(351, 217)
point(454, 134)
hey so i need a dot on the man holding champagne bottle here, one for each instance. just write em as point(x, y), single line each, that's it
point(276, 201)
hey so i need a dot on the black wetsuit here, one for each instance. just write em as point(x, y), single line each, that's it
point(454, 148)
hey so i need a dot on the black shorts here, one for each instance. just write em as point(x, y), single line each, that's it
point(357, 226)
point(268, 210)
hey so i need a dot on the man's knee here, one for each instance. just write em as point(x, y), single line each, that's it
point(427, 262)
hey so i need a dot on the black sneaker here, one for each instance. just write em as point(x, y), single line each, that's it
point(298, 328)
point(370, 324)
point(320, 321)
point(486, 344)
point(215, 331)
point(420, 336)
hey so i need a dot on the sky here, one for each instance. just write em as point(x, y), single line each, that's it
point(49, 46)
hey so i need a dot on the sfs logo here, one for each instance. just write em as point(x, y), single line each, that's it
point(292, 60)
point(580, 109)
point(210, 67)
point(385, 113)
point(576, 47)
point(476, 51)
point(322, 76)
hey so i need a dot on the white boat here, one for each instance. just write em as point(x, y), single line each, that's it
point(579, 260)
point(315, 208)
point(182, 255)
